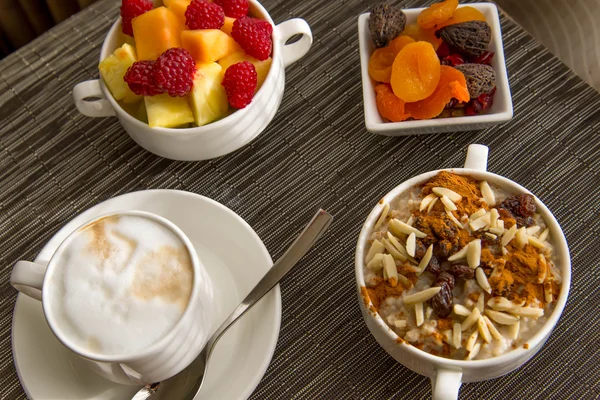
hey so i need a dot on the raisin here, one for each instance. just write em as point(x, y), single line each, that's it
point(420, 249)
point(462, 271)
point(442, 301)
point(525, 221)
point(444, 249)
point(522, 205)
point(434, 266)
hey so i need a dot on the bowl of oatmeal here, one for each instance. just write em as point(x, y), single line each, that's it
point(462, 274)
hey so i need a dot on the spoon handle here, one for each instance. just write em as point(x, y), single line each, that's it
point(313, 231)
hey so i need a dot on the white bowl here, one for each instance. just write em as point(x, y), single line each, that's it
point(217, 138)
point(447, 374)
point(501, 111)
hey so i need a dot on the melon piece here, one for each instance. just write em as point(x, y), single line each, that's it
point(262, 67)
point(208, 97)
point(178, 7)
point(156, 31)
point(208, 45)
point(228, 25)
point(167, 112)
point(113, 69)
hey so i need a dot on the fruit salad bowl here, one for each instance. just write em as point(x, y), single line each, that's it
point(501, 110)
point(94, 99)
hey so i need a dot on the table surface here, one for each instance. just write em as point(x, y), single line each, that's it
point(55, 163)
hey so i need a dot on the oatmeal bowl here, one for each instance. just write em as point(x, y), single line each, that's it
point(461, 274)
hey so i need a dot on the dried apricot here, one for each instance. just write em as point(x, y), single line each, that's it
point(437, 13)
point(388, 105)
point(419, 34)
point(452, 84)
point(463, 14)
point(398, 43)
point(415, 72)
point(380, 63)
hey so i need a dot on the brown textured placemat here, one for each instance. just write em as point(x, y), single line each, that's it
point(56, 163)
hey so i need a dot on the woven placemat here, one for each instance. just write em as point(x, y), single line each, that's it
point(55, 163)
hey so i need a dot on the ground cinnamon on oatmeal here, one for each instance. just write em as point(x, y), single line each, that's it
point(461, 184)
point(381, 291)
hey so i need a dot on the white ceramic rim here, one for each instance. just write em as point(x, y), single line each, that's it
point(559, 241)
point(198, 130)
point(154, 347)
point(501, 81)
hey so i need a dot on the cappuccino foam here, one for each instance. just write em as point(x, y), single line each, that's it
point(122, 284)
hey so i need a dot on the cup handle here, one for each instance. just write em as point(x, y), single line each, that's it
point(27, 278)
point(477, 157)
point(294, 51)
point(92, 108)
point(446, 384)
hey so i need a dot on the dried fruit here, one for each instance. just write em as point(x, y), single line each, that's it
point(380, 63)
point(385, 23)
point(462, 271)
point(480, 104)
point(453, 60)
point(463, 14)
point(415, 72)
point(480, 78)
point(484, 58)
point(442, 301)
point(388, 105)
point(522, 205)
point(452, 84)
point(437, 13)
point(434, 266)
point(422, 35)
point(470, 38)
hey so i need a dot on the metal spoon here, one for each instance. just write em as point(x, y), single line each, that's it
point(196, 371)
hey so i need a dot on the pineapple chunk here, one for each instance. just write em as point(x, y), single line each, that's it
point(208, 98)
point(167, 112)
point(262, 67)
point(113, 69)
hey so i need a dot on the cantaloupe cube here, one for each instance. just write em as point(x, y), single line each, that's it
point(228, 25)
point(208, 97)
point(262, 67)
point(178, 7)
point(113, 69)
point(168, 112)
point(156, 31)
point(208, 45)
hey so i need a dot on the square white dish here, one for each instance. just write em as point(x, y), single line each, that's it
point(501, 111)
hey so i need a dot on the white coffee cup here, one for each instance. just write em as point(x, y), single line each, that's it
point(160, 360)
point(217, 138)
point(447, 374)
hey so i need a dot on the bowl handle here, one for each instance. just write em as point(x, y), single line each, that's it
point(446, 384)
point(100, 107)
point(294, 51)
point(477, 157)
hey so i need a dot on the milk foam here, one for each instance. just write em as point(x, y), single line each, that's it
point(121, 285)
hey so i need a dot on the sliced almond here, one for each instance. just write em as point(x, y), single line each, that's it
point(542, 269)
point(494, 215)
point(492, 328)
point(410, 220)
point(509, 235)
point(544, 235)
point(548, 292)
point(497, 231)
point(426, 201)
point(479, 213)
point(457, 335)
point(394, 241)
point(472, 340)
point(484, 330)
point(432, 204)
point(425, 260)
point(487, 193)
point(382, 216)
point(376, 248)
point(450, 206)
point(399, 228)
point(504, 251)
point(482, 280)
point(480, 222)
point(500, 303)
point(471, 319)
point(400, 323)
point(491, 235)
point(421, 296)
point(474, 351)
point(407, 283)
point(453, 219)
point(527, 312)
point(513, 330)
point(473, 253)
point(419, 317)
point(481, 301)
point(535, 242)
point(462, 253)
point(376, 264)
point(390, 273)
point(522, 237)
point(411, 244)
point(447, 336)
point(459, 309)
point(532, 230)
point(392, 250)
point(428, 312)
point(501, 318)
point(452, 195)
point(500, 224)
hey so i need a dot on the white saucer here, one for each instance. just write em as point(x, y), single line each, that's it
point(235, 258)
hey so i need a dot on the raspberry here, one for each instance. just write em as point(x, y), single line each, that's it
point(234, 8)
point(254, 35)
point(131, 9)
point(201, 14)
point(174, 72)
point(240, 82)
point(140, 78)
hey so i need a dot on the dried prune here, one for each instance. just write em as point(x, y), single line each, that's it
point(469, 38)
point(480, 78)
point(385, 23)
point(442, 301)
point(462, 271)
